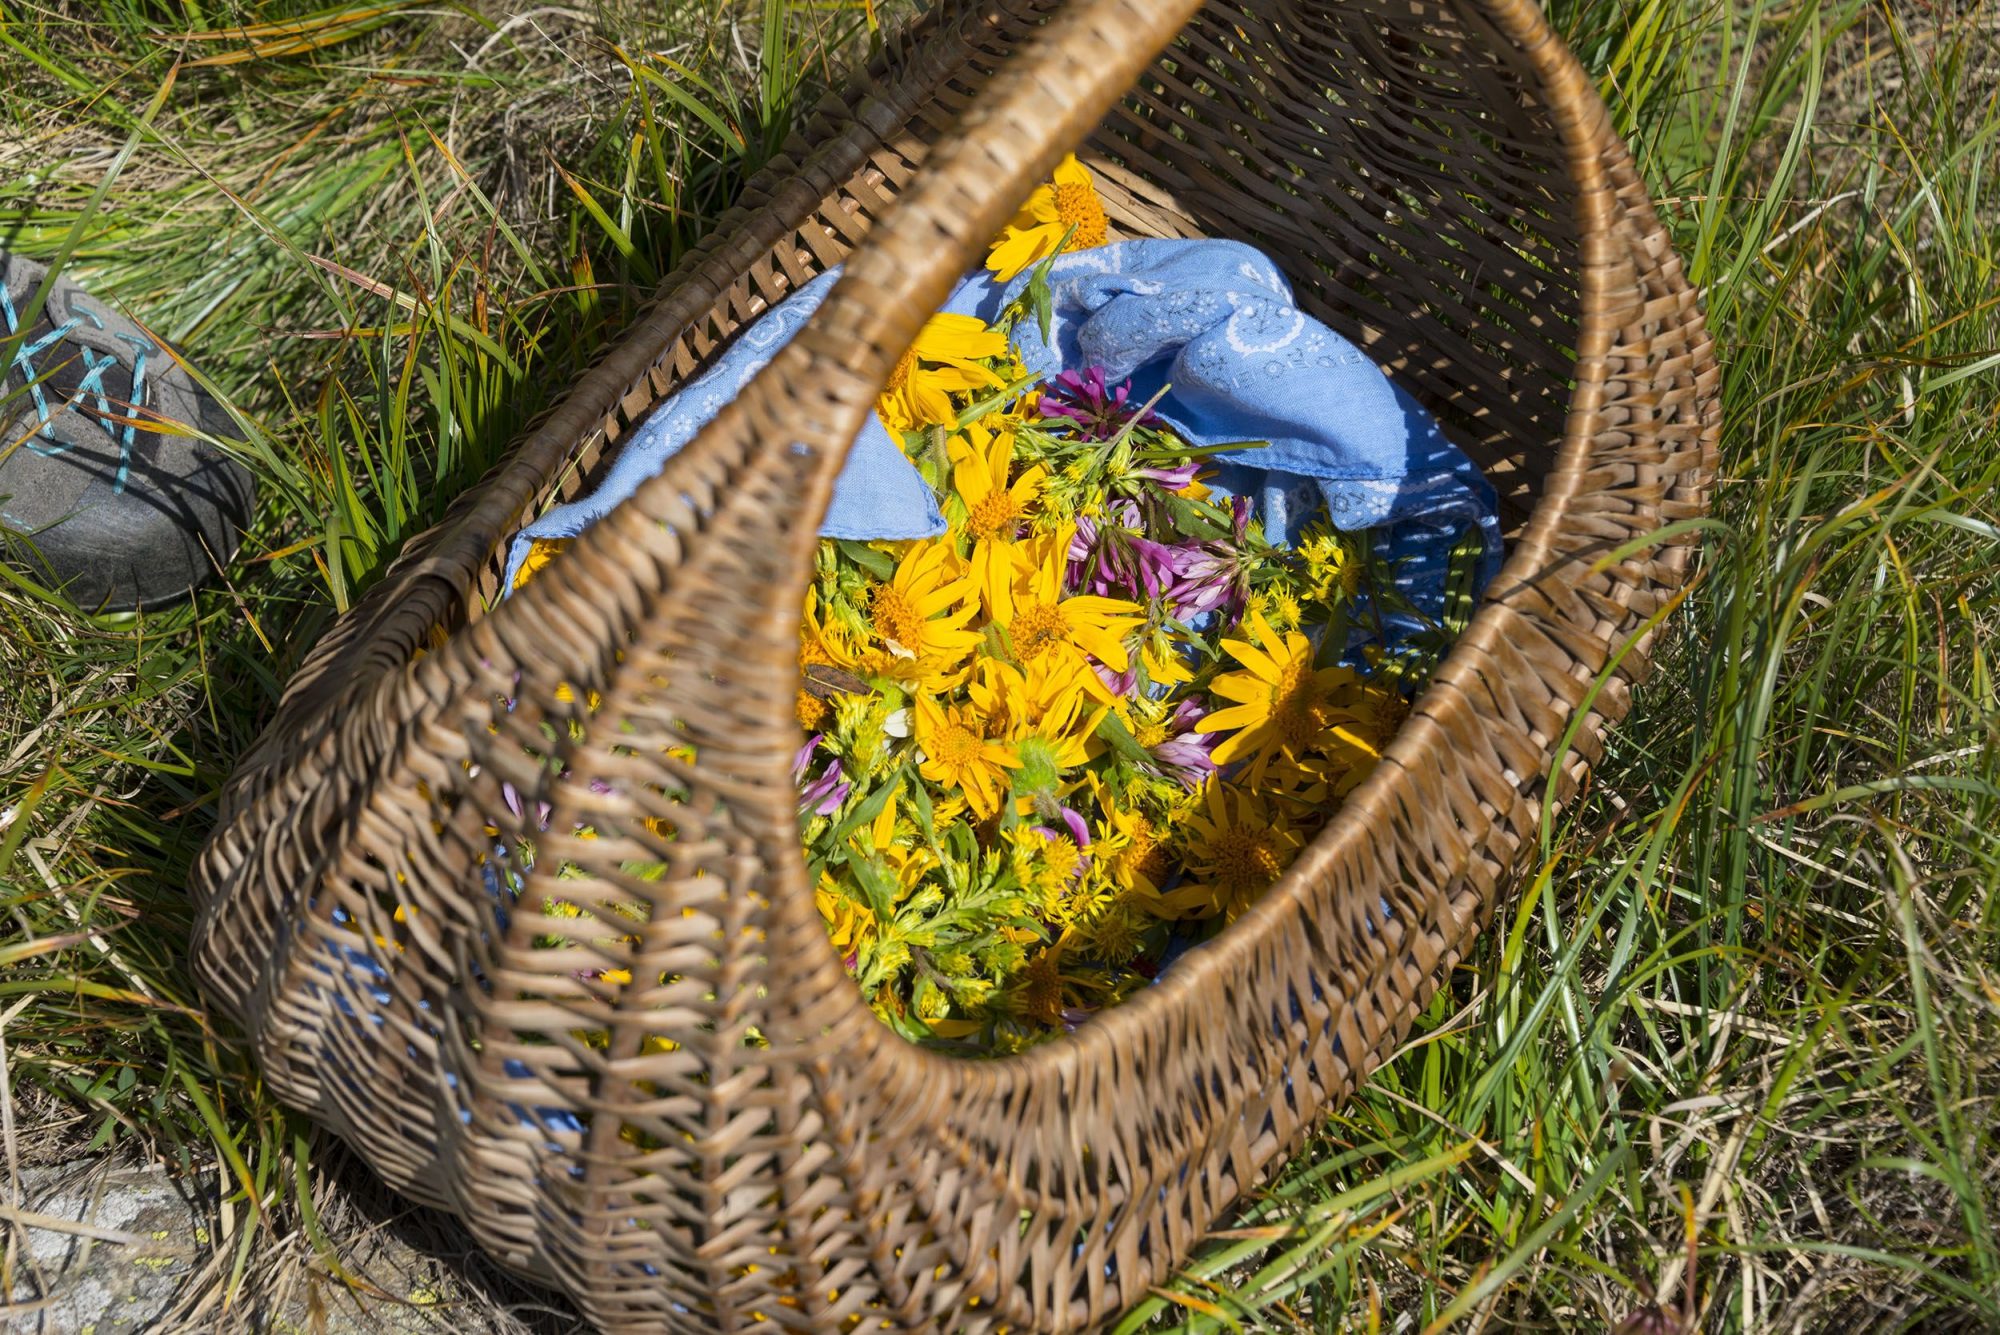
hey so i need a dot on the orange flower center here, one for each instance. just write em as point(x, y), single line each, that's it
point(899, 378)
point(995, 518)
point(895, 617)
point(1245, 861)
point(811, 711)
point(1036, 627)
point(1298, 710)
point(1077, 206)
point(1041, 989)
point(1389, 715)
point(955, 745)
point(1143, 854)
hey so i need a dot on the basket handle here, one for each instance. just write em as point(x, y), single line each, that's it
point(1042, 102)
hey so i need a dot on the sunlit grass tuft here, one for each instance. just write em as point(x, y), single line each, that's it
point(1747, 1011)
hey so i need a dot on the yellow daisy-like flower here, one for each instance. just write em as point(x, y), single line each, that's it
point(919, 617)
point(1047, 215)
point(945, 360)
point(981, 459)
point(1041, 700)
point(541, 551)
point(1133, 852)
point(850, 925)
point(958, 754)
point(820, 644)
point(1072, 630)
point(1234, 852)
point(1283, 705)
point(1377, 712)
point(1037, 993)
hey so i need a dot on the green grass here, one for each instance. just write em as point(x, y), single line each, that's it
point(1737, 1041)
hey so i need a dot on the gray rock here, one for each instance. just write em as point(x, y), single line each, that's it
point(149, 1263)
point(69, 1283)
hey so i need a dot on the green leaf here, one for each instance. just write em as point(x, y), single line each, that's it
point(877, 563)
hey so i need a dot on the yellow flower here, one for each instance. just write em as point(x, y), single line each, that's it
point(1131, 850)
point(1233, 855)
point(1330, 570)
point(1284, 706)
point(945, 360)
point(1037, 994)
point(958, 754)
point(820, 644)
point(920, 615)
point(981, 459)
point(1116, 931)
point(1071, 631)
point(1041, 700)
point(1070, 200)
point(541, 551)
point(908, 858)
point(1048, 867)
point(850, 925)
point(1376, 712)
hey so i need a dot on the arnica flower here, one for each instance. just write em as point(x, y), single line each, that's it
point(958, 754)
point(850, 925)
point(995, 508)
point(1235, 850)
point(821, 644)
point(945, 360)
point(1283, 705)
point(1045, 217)
point(1091, 409)
point(1041, 700)
point(1131, 849)
point(1037, 993)
point(1215, 577)
point(1074, 630)
point(826, 794)
point(920, 615)
point(1111, 555)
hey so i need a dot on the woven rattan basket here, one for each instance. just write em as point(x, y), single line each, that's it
point(1441, 184)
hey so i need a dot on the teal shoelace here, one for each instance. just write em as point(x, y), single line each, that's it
point(44, 441)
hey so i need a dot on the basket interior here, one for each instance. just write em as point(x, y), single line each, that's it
point(1393, 160)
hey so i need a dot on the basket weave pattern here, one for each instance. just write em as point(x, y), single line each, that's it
point(1441, 184)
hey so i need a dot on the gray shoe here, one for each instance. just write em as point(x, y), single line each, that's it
point(95, 498)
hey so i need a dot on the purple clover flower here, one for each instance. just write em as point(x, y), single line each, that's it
point(1169, 479)
point(826, 794)
point(1215, 576)
point(1094, 410)
point(512, 797)
point(1184, 753)
point(1112, 557)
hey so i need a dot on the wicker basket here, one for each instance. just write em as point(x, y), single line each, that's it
point(1440, 182)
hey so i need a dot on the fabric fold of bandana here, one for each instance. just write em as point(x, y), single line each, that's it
point(1208, 326)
